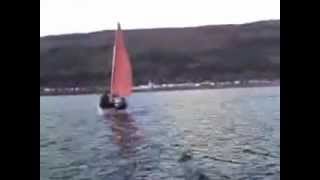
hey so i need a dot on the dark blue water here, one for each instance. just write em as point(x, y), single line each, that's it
point(198, 134)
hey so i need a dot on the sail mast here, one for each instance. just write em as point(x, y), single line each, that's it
point(113, 59)
point(113, 63)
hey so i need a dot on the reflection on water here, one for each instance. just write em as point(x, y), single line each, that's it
point(125, 132)
point(177, 135)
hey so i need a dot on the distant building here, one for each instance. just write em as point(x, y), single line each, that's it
point(164, 85)
point(236, 82)
point(47, 90)
point(150, 85)
point(170, 85)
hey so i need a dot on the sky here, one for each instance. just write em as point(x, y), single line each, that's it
point(82, 16)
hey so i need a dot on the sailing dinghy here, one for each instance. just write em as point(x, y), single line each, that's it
point(121, 77)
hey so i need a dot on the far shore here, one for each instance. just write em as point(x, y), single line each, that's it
point(153, 88)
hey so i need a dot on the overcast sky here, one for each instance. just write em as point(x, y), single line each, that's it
point(76, 16)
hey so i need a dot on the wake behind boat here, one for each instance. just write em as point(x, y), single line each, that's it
point(121, 77)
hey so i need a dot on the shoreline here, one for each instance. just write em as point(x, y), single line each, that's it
point(85, 91)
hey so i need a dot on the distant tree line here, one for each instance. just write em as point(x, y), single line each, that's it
point(250, 51)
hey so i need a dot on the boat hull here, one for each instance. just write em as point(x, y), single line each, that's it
point(109, 111)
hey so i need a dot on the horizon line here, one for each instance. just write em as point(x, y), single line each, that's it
point(175, 27)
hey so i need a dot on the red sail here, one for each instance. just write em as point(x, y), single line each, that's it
point(121, 80)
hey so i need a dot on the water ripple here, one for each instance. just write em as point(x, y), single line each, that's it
point(211, 134)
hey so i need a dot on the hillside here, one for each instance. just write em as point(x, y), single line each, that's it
point(220, 52)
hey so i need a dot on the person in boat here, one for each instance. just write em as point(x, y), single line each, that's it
point(106, 101)
point(120, 102)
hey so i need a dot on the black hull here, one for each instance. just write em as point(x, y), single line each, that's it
point(105, 104)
